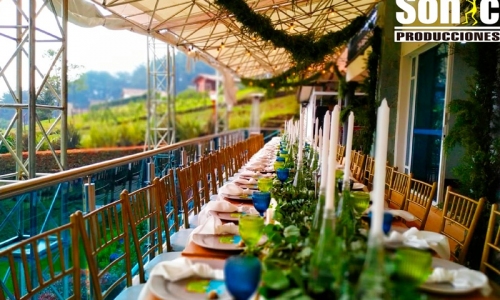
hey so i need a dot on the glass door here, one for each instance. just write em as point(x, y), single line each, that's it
point(427, 106)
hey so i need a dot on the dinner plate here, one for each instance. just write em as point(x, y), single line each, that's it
point(445, 287)
point(227, 216)
point(243, 197)
point(226, 242)
point(184, 289)
point(358, 186)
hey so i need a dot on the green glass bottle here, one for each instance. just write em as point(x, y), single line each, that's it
point(346, 222)
point(324, 262)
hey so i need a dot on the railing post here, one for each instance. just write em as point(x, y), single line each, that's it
point(200, 151)
point(89, 201)
point(151, 171)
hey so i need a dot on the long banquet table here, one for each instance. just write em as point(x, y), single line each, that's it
point(194, 251)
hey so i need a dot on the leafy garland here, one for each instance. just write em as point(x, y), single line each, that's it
point(289, 78)
point(305, 49)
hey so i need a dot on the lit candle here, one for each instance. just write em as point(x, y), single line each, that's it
point(348, 147)
point(382, 135)
point(332, 159)
point(324, 151)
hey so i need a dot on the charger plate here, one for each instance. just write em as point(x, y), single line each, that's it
point(180, 290)
point(242, 197)
point(227, 216)
point(226, 242)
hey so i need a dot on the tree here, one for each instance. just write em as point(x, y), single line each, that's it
point(51, 90)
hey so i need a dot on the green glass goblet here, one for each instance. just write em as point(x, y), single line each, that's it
point(265, 184)
point(413, 265)
point(251, 227)
point(360, 202)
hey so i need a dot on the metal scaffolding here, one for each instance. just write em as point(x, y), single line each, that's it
point(42, 110)
point(161, 94)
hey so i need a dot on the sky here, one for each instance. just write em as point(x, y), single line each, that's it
point(95, 48)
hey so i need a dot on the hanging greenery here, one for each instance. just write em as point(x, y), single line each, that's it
point(365, 108)
point(290, 78)
point(475, 130)
point(305, 49)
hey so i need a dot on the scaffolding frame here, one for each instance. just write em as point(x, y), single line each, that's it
point(160, 128)
point(28, 36)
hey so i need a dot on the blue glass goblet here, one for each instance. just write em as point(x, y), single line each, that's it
point(387, 222)
point(242, 276)
point(283, 174)
point(261, 201)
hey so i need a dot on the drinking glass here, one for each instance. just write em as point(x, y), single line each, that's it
point(387, 222)
point(265, 184)
point(261, 201)
point(283, 174)
point(250, 228)
point(242, 276)
point(360, 202)
point(413, 265)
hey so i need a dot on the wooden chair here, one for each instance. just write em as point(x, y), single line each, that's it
point(419, 201)
point(105, 232)
point(215, 183)
point(41, 261)
point(188, 195)
point(399, 189)
point(459, 220)
point(176, 234)
point(492, 242)
point(145, 217)
point(199, 173)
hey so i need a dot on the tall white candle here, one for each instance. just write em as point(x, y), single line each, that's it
point(382, 135)
point(320, 143)
point(301, 138)
point(324, 151)
point(316, 135)
point(332, 159)
point(348, 147)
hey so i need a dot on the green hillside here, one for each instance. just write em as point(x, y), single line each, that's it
point(125, 125)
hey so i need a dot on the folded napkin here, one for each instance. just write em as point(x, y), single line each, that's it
point(228, 228)
point(245, 181)
point(248, 173)
point(231, 189)
point(402, 214)
point(183, 267)
point(423, 240)
point(461, 278)
point(220, 206)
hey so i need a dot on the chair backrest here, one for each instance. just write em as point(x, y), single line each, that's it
point(340, 153)
point(169, 205)
point(419, 200)
point(492, 243)
point(106, 241)
point(399, 189)
point(459, 220)
point(388, 179)
point(144, 214)
point(201, 184)
point(212, 173)
point(41, 261)
point(357, 171)
point(369, 164)
point(188, 193)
